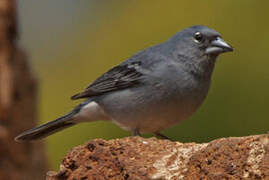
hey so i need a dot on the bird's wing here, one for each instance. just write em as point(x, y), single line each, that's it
point(120, 77)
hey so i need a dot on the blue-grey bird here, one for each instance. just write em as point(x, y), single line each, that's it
point(153, 90)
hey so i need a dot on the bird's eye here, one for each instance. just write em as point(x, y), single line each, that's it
point(198, 37)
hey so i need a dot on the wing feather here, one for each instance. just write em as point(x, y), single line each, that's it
point(119, 77)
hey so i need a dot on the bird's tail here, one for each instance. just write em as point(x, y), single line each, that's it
point(46, 129)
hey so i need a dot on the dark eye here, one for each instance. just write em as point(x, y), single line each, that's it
point(198, 37)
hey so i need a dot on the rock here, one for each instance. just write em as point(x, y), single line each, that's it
point(18, 104)
point(140, 158)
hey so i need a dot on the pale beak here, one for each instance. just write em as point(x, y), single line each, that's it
point(218, 46)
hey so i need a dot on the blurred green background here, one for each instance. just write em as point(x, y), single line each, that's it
point(71, 43)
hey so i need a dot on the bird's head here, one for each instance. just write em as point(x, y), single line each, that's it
point(198, 45)
point(200, 40)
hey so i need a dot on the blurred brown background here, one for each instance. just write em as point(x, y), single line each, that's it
point(71, 43)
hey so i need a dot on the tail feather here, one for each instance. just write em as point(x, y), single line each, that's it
point(46, 129)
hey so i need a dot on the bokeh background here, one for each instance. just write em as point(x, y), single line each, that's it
point(71, 43)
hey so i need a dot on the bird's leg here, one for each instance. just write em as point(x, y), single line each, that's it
point(136, 132)
point(162, 136)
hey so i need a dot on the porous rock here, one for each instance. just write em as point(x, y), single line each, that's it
point(140, 158)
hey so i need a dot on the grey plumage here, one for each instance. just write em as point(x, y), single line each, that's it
point(46, 129)
point(153, 90)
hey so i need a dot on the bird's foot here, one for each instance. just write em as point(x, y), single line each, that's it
point(157, 134)
point(136, 132)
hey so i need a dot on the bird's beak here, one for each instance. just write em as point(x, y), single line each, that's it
point(218, 46)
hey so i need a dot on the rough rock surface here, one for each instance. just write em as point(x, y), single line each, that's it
point(140, 158)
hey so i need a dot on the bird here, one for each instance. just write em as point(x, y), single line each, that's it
point(153, 90)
